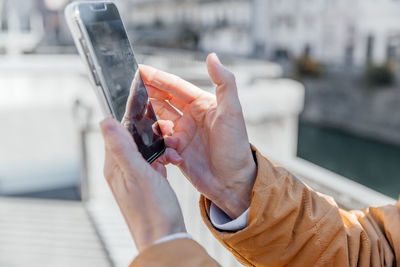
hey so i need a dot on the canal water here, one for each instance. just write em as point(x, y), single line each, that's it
point(371, 163)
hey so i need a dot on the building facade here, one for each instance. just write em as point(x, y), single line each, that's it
point(222, 26)
point(331, 31)
point(340, 31)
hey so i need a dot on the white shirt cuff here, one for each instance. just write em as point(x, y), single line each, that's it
point(172, 237)
point(223, 222)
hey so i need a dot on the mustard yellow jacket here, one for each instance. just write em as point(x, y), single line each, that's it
point(291, 225)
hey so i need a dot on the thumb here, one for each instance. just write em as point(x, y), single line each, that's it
point(119, 143)
point(227, 95)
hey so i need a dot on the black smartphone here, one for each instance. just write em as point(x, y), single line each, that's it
point(103, 43)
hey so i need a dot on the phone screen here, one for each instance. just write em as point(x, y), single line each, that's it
point(126, 89)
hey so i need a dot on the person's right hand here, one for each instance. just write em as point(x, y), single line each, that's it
point(210, 134)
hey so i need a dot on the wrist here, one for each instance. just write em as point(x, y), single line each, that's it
point(152, 219)
point(232, 204)
point(236, 198)
point(146, 234)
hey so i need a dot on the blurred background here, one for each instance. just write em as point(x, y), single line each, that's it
point(319, 82)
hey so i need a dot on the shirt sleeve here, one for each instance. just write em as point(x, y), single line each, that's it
point(172, 237)
point(223, 222)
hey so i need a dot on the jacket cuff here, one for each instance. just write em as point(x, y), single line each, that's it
point(214, 217)
point(222, 221)
point(178, 253)
point(234, 240)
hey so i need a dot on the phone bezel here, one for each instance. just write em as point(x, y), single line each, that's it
point(81, 37)
point(94, 65)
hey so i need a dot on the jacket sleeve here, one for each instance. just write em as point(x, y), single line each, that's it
point(290, 224)
point(181, 252)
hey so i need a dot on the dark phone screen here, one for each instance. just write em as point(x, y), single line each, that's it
point(129, 98)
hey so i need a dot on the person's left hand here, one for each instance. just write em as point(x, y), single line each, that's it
point(147, 201)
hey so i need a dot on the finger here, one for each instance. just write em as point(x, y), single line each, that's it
point(160, 168)
point(227, 95)
point(165, 111)
point(184, 140)
point(166, 127)
point(120, 144)
point(164, 96)
point(170, 156)
point(183, 132)
point(170, 84)
point(173, 157)
point(171, 142)
point(153, 92)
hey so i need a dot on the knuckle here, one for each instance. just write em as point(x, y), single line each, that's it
point(230, 77)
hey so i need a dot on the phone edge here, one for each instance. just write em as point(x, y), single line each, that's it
point(101, 93)
point(157, 155)
point(76, 33)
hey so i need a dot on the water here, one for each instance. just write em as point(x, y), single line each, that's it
point(374, 164)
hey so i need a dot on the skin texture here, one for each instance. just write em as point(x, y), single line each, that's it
point(209, 134)
point(206, 138)
point(147, 201)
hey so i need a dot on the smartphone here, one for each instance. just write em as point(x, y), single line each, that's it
point(103, 43)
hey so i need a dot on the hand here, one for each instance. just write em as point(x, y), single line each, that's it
point(209, 133)
point(147, 202)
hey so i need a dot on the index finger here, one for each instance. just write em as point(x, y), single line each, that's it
point(169, 83)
